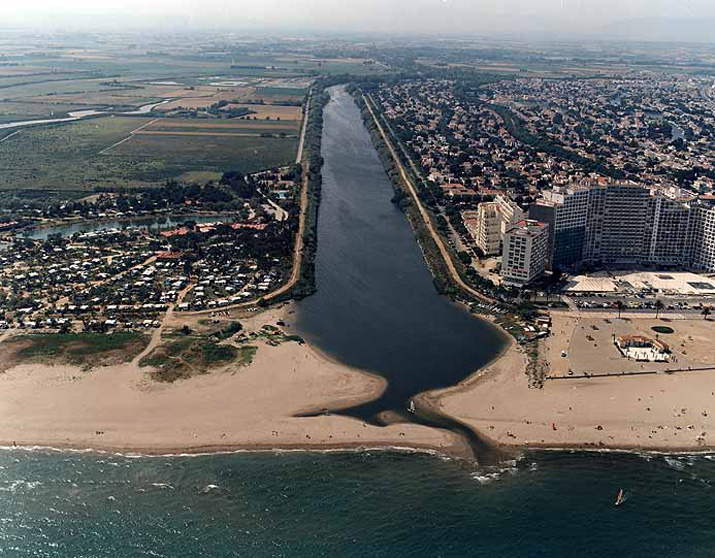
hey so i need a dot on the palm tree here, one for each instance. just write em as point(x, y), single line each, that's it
point(620, 306)
point(658, 307)
point(706, 312)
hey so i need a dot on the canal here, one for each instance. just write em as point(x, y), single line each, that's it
point(376, 307)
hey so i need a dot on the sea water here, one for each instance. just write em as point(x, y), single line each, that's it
point(370, 503)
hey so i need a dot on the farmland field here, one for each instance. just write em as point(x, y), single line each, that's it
point(70, 156)
point(256, 127)
point(164, 156)
point(50, 80)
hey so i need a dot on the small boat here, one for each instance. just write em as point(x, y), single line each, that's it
point(411, 408)
point(620, 499)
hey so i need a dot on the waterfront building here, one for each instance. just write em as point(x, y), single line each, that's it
point(525, 252)
point(486, 229)
point(493, 219)
point(615, 223)
point(509, 212)
point(667, 233)
point(702, 235)
point(624, 223)
point(565, 210)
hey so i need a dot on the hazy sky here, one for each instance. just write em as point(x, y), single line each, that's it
point(424, 16)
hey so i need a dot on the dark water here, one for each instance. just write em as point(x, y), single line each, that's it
point(376, 307)
point(353, 505)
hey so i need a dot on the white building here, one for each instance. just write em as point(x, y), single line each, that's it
point(486, 228)
point(525, 252)
point(702, 237)
point(493, 219)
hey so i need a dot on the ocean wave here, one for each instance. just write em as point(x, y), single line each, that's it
point(277, 451)
point(488, 475)
point(16, 485)
point(162, 485)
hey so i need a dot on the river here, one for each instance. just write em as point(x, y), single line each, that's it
point(376, 307)
point(79, 115)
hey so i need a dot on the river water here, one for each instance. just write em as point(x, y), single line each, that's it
point(367, 503)
point(78, 115)
point(376, 307)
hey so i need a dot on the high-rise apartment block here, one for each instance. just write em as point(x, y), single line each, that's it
point(621, 223)
point(525, 252)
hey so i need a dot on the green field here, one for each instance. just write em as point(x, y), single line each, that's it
point(157, 157)
point(70, 156)
point(80, 349)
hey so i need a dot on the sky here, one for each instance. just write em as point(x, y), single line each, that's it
point(382, 16)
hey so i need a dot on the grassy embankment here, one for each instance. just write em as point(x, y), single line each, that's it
point(312, 164)
point(87, 350)
point(191, 356)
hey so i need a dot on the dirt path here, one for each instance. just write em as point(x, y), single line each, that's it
point(299, 156)
point(297, 250)
point(423, 212)
point(156, 335)
point(120, 142)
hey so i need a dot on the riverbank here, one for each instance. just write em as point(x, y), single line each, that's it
point(117, 408)
point(658, 412)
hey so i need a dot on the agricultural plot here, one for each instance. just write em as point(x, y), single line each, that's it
point(278, 94)
point(104, 152)
point(222, 127)
point(171, 156)
point(272, 112)
point(21, 92)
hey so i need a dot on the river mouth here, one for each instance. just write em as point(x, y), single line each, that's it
point(376, 307)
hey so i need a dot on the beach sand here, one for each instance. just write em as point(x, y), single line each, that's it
point(670, 412)
point(118, 408)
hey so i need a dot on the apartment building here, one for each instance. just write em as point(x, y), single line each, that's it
point(625, 223)
point(667, 232)
point(565, 210)
point(493, 219)
point(702, 236)
point(486, 228)
point(525, 252)
point(615, 223)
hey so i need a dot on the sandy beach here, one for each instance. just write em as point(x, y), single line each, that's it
point(255, 407)
point(120, 408)
point(668, 412)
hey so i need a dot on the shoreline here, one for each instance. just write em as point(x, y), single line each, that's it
point(660, 414)
point(207, 451)
point(358, 387)
point(252, 408)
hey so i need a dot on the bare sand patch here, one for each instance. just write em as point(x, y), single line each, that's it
point(657, 412)
point(120, 408)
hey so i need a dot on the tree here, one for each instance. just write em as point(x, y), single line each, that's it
point(620, 306)
point(706, 312)
point(658, 307)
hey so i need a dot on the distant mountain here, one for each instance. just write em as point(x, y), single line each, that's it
point(663, 30)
